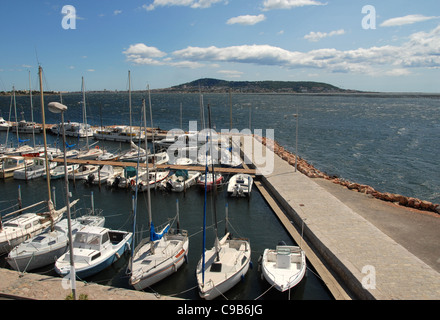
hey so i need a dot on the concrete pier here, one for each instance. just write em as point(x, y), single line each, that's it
point(370, 263)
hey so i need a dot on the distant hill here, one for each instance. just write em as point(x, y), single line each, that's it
point(216, 85)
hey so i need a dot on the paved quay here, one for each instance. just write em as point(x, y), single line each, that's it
point(30, 286)
point(352, 241)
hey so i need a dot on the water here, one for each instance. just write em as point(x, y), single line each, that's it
point(388, 142)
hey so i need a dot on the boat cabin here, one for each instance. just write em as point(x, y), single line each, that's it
point(24, 222)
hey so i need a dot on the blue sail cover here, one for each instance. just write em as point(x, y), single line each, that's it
point(25, 140)
point(70, 145)
point(157, 236)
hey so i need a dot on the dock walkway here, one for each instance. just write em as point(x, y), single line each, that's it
point(370, 263)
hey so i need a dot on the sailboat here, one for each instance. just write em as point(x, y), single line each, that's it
point(16, 230)
point(160, 255)
point(88, 153)
point(223, 266)
point(45, 248)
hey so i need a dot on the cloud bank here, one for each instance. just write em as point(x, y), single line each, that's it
point(422, 50)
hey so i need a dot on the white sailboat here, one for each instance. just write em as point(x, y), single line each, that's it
point(223, 266)
point(283, 267)
point(45, 248)
point(88, 153)
point(160, 255)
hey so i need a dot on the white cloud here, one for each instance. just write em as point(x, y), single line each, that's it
point(247, 19)
point(409, 19)
point(116, 12)
point(91, 70)
point(316, 36)
point(231, 73)
point(184, 3)
point(422, 50)
point(288, 4)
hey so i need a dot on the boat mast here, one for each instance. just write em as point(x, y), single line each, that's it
point(32, 110)
point(85, 113)
point(150, 218)
point(129, 102)
point(214, 185)
point(40, 73)
point(15, 111)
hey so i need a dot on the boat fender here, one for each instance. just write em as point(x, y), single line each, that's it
point(117, 255)
point(96, 147)
point(242, 278)
point(127, 246)
point(251, 265)
point(132, 182)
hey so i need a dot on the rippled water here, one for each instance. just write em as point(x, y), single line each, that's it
point(391, 143)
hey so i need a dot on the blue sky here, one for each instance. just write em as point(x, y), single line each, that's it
point(169, 42)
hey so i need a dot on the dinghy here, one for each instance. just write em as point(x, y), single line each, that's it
point(180, 180)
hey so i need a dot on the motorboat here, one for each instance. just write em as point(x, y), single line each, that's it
point(12, 163)
point(218, 178)
point(45, 248)
point(4, 125)
point(240, 185)
point(283, 267)
point(59, 171)
point(117, 133)
point(94, 249)
point(180, 180)
point(24, 126)
point(83, 171)
point(73, 129)
point(36, 170)
point(149, 180)
point(101, 175)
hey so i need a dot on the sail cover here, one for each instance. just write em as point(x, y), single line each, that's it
point(157, 236)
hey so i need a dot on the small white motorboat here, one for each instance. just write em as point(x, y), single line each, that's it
point(101, 175)
point(12, 163)
point(58, 172)
point(45, 248)
point(283, 267)
point(153, 179)
point(83, 171)
point(240, 185)
point(94, 249)
point(180, 180)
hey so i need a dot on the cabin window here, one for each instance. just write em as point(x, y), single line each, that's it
point(104, 238)
point(36, 222)
point(52, 242)
point(96, 256)
point(28, 226)
point(243, 260)
point(38, 239)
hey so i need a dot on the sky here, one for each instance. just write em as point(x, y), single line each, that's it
point(386, 46)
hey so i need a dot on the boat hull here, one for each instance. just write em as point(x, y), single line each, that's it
point(171, 266)
point(37, 260)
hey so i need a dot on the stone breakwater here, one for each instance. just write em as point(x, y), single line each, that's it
point(310, 171)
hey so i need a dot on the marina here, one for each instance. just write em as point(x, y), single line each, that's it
point(287, 211)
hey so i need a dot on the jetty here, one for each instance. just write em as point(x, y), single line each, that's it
point(354, 258)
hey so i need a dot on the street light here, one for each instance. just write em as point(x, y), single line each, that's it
point(56, 107)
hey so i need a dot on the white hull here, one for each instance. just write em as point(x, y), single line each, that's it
point(284, 270)
point(234, 257)
point(170, 254)
point(240, 185)
point(32, 171)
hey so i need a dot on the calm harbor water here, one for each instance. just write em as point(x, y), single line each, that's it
point(388, 142)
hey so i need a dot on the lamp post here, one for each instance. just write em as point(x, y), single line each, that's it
point(57, 107)
point(296, 139)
